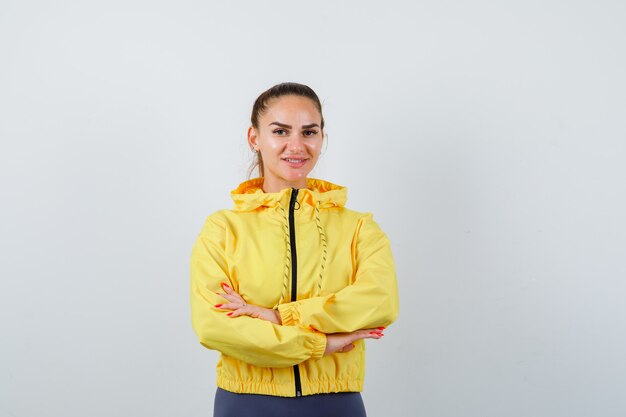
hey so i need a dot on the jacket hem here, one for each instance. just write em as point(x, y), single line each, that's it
point(287, 390)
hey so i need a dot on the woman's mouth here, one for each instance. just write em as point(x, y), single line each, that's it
point(295, 162)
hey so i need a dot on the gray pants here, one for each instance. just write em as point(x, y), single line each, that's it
point(342, 404)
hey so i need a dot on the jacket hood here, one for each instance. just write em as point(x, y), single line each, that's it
point(249, 195)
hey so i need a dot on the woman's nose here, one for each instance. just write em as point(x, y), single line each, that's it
point(296, 144)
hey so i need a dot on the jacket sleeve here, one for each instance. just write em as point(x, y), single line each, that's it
point(370, 301)
point(257, 342)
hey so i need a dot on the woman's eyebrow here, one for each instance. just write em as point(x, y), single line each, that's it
point(289, 126)
point(280, 124)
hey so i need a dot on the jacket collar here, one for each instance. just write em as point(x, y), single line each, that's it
point(249, 195)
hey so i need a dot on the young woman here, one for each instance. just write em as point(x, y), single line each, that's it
point(289, 283)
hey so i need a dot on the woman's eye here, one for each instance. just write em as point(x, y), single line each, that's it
point(279, 131)
point(310, 132)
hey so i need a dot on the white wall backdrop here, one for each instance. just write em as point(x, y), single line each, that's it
point(488, 139)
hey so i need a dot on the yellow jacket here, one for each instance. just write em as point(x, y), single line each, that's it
point(326, 268)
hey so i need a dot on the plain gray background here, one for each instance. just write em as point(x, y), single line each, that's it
point(487, 138)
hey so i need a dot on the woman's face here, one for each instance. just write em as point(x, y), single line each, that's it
point(289, 138)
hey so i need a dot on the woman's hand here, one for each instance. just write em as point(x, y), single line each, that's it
point(335, 343)
point(344, 342)
point(240, 308)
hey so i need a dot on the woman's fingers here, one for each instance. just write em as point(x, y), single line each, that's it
point(238, 306)
point(229, 292)
point(344, 342)
point(253, 311)
point(367, 334)
point(234, 298)
point(231, 295)
point(227, 288)
point(375, 333)
point(243, 311)
point(231, 298)
point(229, 306)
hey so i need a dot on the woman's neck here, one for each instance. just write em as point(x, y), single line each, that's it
point(274, 186)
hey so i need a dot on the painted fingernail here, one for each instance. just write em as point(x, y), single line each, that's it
point(380, 328)
point(230, 314)
point(218, 305)
point(376, 333)
point(225, 285)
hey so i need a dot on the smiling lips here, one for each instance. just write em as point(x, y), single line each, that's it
point(295, 162)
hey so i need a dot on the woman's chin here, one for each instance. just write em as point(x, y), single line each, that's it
point(296, 174)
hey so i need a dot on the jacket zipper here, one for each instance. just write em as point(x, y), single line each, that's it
point(294, 273)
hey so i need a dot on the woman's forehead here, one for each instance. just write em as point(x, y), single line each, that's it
point(294, 108)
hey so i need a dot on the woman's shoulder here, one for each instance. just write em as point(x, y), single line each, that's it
point(226, 218)
point(216, 220)
point(352, 214)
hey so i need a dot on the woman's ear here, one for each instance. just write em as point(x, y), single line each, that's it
point(252, 138)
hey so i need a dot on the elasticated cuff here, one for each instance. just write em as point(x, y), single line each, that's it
point(319, 345)
point(289, 314)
